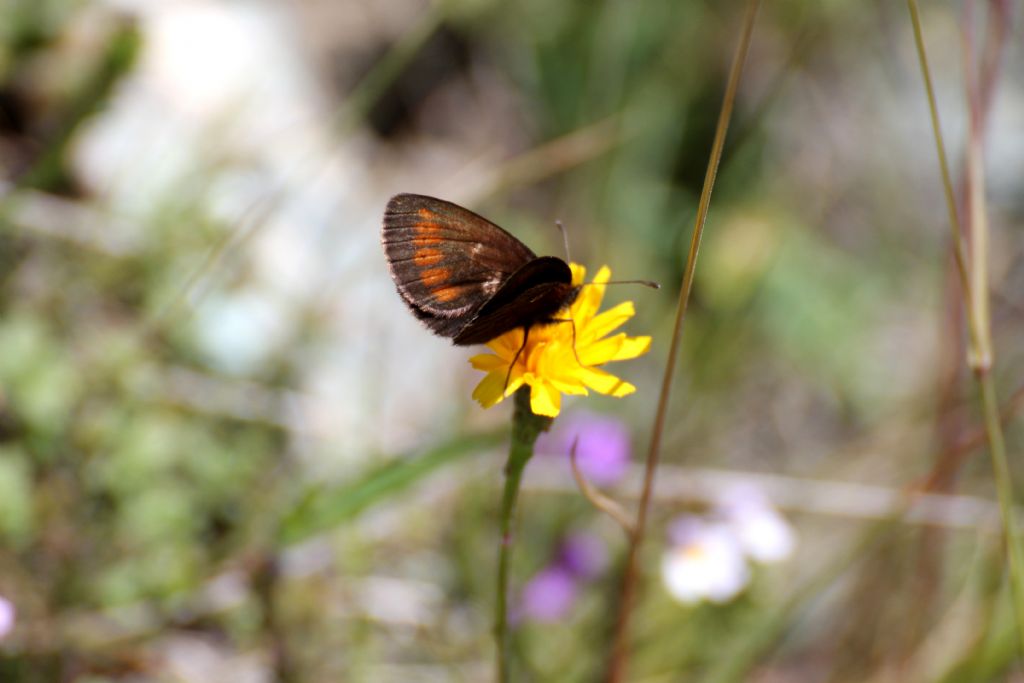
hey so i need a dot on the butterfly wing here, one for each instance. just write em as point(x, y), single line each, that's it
point(446, 261)
point(532, 294)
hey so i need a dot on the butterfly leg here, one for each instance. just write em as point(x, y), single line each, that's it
point(573, 323)
point(508, 375)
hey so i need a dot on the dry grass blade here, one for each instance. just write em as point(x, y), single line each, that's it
point(599, 500)
point(620, 651)
point(975, 288)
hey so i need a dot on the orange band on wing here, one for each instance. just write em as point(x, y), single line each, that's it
point(428, 234)
point(438, 282)
point(436, 277)
point(446, 294)
point(426, 257)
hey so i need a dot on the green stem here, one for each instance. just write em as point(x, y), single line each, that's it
point(526, 427)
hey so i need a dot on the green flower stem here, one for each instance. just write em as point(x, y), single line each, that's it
point(526, 427)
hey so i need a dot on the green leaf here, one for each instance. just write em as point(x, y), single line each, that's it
point(324, 507)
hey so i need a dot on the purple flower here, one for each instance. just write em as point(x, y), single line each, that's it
point(583, 555)
point(603, 451)
point(548, 596)
point(551, 594)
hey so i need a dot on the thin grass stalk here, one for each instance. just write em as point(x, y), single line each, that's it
point(1004, 491)
point(620, 648)
point(982, 360)
point(956, 231)
point(975, 291)
point(998, 25)
point(977, 226)
point(950, 426)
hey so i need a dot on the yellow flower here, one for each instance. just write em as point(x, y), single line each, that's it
point(548, 364)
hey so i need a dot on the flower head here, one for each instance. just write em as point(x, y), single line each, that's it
point(764, 534)
point(707, 558)
point(560, 358)
point(552, 592)
point(548, 596)
point(583, 555)
point(705, 562)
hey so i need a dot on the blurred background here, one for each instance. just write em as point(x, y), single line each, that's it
point(228, 452)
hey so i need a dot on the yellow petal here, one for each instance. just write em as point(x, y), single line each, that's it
point(614, 317)
point(487, 362)
point(553, 356)
point(490, 390)
point(573, 386)
point(623, 389)
point(507, 344)
point(545, 399)
point(516, 378)
point(633, 347)
point(605, 382)
point(619, 347)
point(589, 299)
point(513, 385)
point(558, 366)
point(601, 352)
point(579, 273)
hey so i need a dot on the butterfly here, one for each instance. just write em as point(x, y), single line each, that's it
point(466, 278)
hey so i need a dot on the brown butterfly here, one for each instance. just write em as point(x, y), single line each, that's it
point(465, 277)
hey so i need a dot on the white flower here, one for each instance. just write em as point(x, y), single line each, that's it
point(6, 617)
point(705, 562)
point(763, 533)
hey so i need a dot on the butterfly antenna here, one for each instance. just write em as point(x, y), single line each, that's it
point(565, 240)
point(646, 283)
